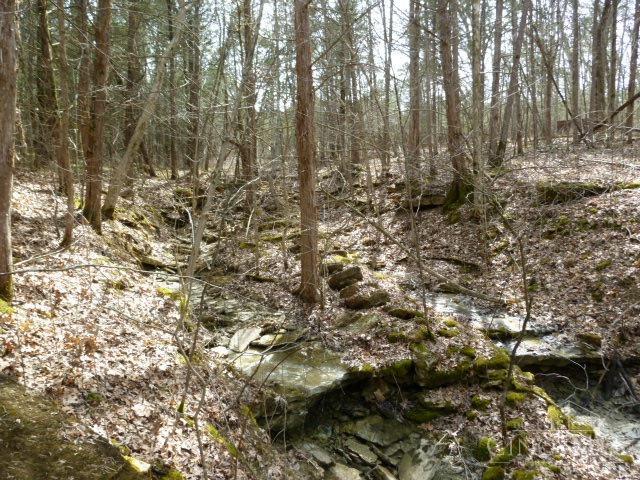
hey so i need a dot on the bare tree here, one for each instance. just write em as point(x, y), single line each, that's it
point(8, 77)
point(447, 26)
point(95, 150)
point(498, 156)
point(495, 77)
point(477, 104)
point(633, 67)
point(305, 144)
point(575, 67)
point(413, 137)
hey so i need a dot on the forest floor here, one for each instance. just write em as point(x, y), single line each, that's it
point(96, 327)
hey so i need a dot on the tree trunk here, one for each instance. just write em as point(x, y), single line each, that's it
point(92, 210)
point(447, 23)
point(193, 84)
point(305, 144)
point(575, 69)
point(8, 77)
point(495, 82)
point(173, 124)
point(413, 140)
point(498, 156)
point(613, 61)
point(386, 135)
point(633, 67)
point(477, 104)
point(63, 129)
point(598, 69)
point(83, 112)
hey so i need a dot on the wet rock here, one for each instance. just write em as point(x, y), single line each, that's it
point(367, 298)
point(243, 337)
point(381, 473)
point(319, 454)
point(342, 472)
point(427, 463)
point(378, 430)
point(552, 351)
point(360, 452)
point(278, 339)
point(346, 277)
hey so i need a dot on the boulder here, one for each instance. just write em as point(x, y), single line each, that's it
point(342, 472)
point(344, 278)
point(367, 298)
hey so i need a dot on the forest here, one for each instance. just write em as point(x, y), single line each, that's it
point(319, 239)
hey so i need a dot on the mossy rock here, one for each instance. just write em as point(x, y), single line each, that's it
point(5, 308)
point(480, 402)
point(439, 377)
point(556, 416)
point(626, 458)
point(493, 473)
point(422, 415)
point(568, 191)
point(448, 332)
point(499, 360)
point(580, 428)
point(515, 424)
point(398, 371)
point(469, 352)
point(524, 474)
point(484, 448)
point(515, 398)
point(403, 313)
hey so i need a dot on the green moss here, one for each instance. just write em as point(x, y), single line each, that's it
point(167, 292)
point(172, 474)
point(598, 291)
point(493, 473)
point(448, 332)
point(472, 414)
point(138, 466)
point(626, 458)
point(499, 360)
point(515, 398)
point(399, 370)
point(480, 402)
point(603, 265)
point(451, 322)
point(222, 440)
point(5, 308)
point(515, 424)
point(468, 351)
point(94, 399)
point(484, 448)
point(503, 457)
point(397, 337)
point(557, 416)
point(549, 466)
point(524, 474)
point(581, 428)
point(441, 377)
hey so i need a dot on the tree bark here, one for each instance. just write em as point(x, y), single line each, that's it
point(413, 140)
point(613, 62)
point(93, 193)
point(477, 104)
point(173, 124)
point(495, 81)
point(447, 23)
point(575, 68)
point(633, 67)
point(8, 77)
point(305, 144)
